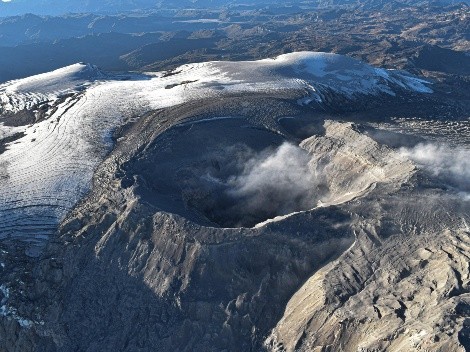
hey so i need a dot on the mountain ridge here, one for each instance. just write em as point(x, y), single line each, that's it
point(55, 7)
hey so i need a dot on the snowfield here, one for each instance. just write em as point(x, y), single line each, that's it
point(26, 93)
point(302, 70)
point(45, 172)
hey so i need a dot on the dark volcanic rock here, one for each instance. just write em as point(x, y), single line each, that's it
point(124, 261)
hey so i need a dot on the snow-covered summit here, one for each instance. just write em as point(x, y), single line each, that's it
point(318, 71)
point(68, 77)
point(27, 92)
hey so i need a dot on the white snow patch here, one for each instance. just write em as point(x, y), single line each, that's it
point(201, 20)
point(279, 218)
point(9, 312)
point(25, 93)
point(6, 293)
point(25, 323)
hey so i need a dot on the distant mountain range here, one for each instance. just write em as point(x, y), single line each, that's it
point(57, 7)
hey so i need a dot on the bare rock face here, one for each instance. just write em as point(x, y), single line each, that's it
point(413, 298)
point(352, 163)
point(403, 285)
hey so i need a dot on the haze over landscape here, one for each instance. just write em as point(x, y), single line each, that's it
point(223, 175)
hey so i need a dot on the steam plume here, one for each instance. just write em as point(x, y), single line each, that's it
point(451, 165)
point(266, 185)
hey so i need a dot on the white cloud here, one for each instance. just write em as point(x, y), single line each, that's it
point(449, 164)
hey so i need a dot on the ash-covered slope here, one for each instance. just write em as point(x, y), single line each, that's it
point(401, 280)
point(56, 126)
point(404, 284)
point(235, 192)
